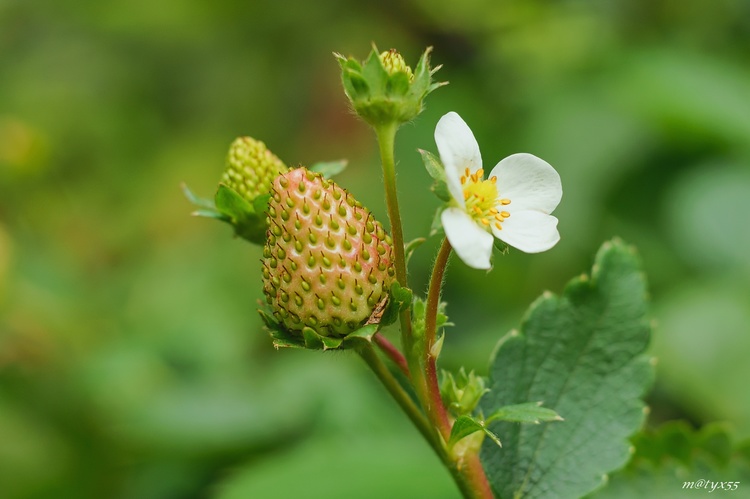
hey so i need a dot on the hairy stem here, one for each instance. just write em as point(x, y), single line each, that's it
point(392, 352)
point(473, 480)
point(437, 407)
point(476, 482)
point(386, 140)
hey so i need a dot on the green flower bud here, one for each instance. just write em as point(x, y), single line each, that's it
point(462, 393)
point(327, 263)
point(251, 168)
point(243, 192)
point(383, 90)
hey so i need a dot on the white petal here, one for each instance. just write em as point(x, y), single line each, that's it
point(529, 182)
point(529, 231)
point(472, 244)
point(458, 151)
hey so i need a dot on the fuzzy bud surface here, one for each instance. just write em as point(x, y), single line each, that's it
point(251, 168)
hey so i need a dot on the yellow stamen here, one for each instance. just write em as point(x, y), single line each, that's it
point(482, 201)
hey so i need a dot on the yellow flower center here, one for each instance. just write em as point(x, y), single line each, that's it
point(481, 199)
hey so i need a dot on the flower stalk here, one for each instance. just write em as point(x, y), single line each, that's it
point(386, 135)
point(386, 140)
point(430, 333)
point(421, 365)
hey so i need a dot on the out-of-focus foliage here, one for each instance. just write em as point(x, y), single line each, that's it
point(132, 364)
point(676, 460)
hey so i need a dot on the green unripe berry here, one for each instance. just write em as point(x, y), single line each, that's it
point(341, 276)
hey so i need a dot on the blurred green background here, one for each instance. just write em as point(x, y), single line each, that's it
point(132, 363)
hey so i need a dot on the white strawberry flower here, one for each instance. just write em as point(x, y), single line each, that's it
point(513, 204)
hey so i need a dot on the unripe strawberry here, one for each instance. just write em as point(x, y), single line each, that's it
point(251, 168)
point(327, 262)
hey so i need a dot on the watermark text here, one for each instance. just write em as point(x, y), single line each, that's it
point(710, 486)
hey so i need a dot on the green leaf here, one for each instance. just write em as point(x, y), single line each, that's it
point(282, 341)
point(260, 204)
point(437, 223)
point(400, 299)
point(583, 354)
point(530, 412)
point(315, 341)
point(365, 333)
point(433, 165)
point(440, 189)
point(356, 86)
point(398, 84)
point(375, 74)
point(232, 204)
point(197, 200)
point(248, 220)
point(329, 168)
point(465, 426)
point(268, 319)
point(437, 346)
point(423, 73)
point(206, 207)
point(401, 294)
point(436, 170)
point(206, 213)
point(310, 339)
point(281, 337)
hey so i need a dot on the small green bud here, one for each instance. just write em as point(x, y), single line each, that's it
point(461, 394)
point(242, 197)
point(245, 186)
point(251, 168)
point(383, 89)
